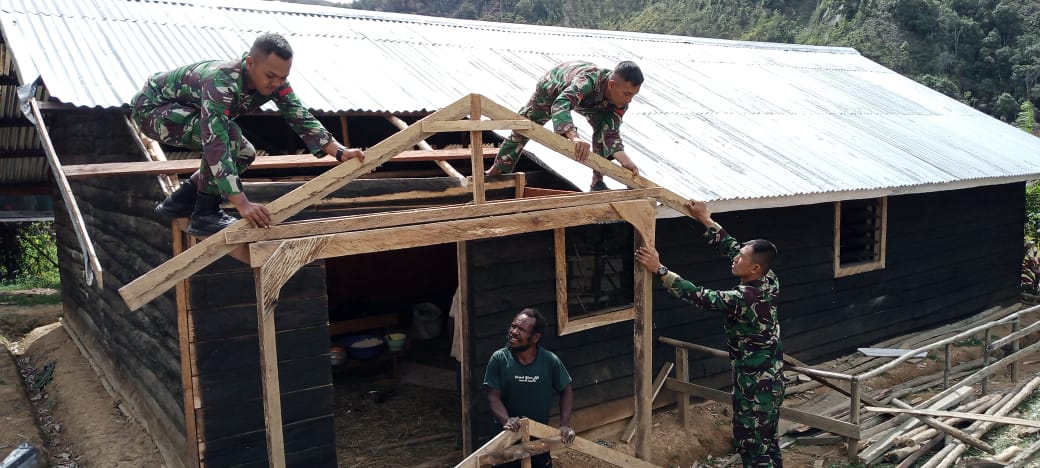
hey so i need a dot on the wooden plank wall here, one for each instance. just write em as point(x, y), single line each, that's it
point(138, 351)
point(226, 372)
point(950, 254)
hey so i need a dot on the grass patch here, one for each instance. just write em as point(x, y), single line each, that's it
point(1009, 435)
point(24, 298)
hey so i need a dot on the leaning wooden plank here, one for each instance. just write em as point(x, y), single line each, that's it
point(890, 352)
point(500, 441)
point(662, 374)
point(427, 215)
point(566, 147)
point(955, 414)
point(404, 237)
point(165, 276)
point(187, 166)
point(587, 447)
point(91, 267)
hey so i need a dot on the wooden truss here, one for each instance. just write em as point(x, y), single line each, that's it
point(278, 252)
point(500, 449)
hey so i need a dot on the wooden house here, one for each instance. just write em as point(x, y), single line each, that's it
point(894, 208)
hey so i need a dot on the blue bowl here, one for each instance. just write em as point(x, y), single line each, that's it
point(363, 347)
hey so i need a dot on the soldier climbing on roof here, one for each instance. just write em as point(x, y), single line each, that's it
point(752, 334)
point(195, 106)
point(601, 95)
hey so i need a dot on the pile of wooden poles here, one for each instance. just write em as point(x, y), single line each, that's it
point(904, 439)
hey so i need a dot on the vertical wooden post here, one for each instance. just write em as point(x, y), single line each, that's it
point(464, 365)
point(1014, 348)
point(191, 436)
point(270, 277)
point(682, 373)
point(853, 444)
point(345, 131)
point(985, 358)
point(525, 436)
point(476, 146)
point(643, 351)
point(269, 371)
point(946, 366)
point(521, 184)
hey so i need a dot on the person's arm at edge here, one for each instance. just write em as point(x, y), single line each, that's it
point(566, 405)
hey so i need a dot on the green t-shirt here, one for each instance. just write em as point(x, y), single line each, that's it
point(527, 391)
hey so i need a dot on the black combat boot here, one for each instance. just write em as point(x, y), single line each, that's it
point(208, 218)
point(180, 203)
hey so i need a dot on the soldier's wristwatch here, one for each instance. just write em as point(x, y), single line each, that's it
point(662, 270)
point(339, 153)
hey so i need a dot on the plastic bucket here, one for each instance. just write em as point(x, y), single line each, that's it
point(426, 320)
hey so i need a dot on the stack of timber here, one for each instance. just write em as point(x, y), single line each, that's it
point(938, 430)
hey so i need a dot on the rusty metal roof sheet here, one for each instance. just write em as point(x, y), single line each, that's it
point(744, 124)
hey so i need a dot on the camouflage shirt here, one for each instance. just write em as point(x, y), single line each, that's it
point(218, 90)
point(582, 87)
point(751, 324)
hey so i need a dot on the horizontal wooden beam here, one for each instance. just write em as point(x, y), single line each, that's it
point(426, 215)
point(790, 414)
point(404, 237)
point(187, 166)
point(614, 457)
point(475, 125)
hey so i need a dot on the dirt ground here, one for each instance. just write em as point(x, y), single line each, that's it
point(80, 424)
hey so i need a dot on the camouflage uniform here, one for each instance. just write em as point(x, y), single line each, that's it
point(753, 338)
point(570, 86)
point(195, 106)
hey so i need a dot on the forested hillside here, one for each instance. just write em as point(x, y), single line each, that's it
point(983, 52)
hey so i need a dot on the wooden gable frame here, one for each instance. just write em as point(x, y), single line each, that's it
point(278, 252)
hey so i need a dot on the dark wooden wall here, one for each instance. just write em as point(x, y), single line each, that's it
point(139, 350)
point(229, 412)
point(949, 255)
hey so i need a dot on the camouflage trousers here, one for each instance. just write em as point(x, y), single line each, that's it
point(538, 110)
point(757, 397)
point(178, 125)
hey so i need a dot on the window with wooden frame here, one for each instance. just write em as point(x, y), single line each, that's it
point(860, 230)
point(595, 283)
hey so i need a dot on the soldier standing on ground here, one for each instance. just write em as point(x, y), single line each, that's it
point(752, 334)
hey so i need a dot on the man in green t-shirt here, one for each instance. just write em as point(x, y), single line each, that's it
point(522, 377)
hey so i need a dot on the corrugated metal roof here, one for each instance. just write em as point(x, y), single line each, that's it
point(716, 120)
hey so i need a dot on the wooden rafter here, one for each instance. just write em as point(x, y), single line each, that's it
point(165, 276)
point(565, 147)
point(423, 145)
